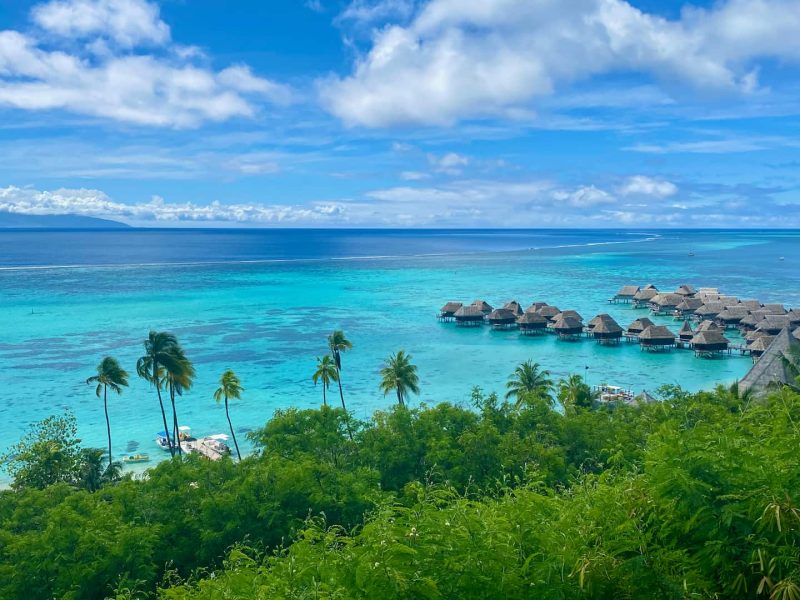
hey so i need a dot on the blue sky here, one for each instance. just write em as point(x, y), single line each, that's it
point(384, 113)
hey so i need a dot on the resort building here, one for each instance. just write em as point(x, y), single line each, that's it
point(687, 307)
point(643, 297)
point(483, 306)
point(760, 345)
point(685, 334)
point(469, 316)
point(709, 343)
point(709, 310)
point(502, 318)
point(639, 325)
point(514, 307)
point(549, 312)
point(568, 327)
point(772, 367)
point(657, 338)
point(685, 290)
point(532, 323)
point(448, 311)
point(534, 307)
point(626, 294)
point(732, 315)
point(605, 330)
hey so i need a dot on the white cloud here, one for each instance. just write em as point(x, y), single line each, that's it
point(451, 163)
point(641, 185)
point(465, 58)
point(95, 203)
point(414, 175)
point(126, 22)
point(584, 196)
point(164, 89)
point(366, 12)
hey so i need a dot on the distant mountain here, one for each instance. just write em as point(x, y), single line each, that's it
point(16, 221)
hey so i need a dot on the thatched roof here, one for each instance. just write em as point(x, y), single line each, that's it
point(628, 291)
point(549, 311)
point(650, 286)
point(686, 331)
point(771, 368)
point(535, 306)
point(750, 304)
point(640, 325)
point(689, 304)
point(710, 309)
point(752, 336)
point(710, 337)
point(530, 318)
point(656, 333)
point(484, 306)
point(501, 315)
point(514, 307)
point(569, 313)
point(645, 294)
point(708, 291)
point(685, 290)
point(667, 299)
point(796, 334)
point(761, 345)
point(607, 327)
point(733, 314)
point(774, 323)
point(729, 300)
point(794, 317)
point(774, 309)
point(469, 312)
point(597, 319)
point(567, 323)
point(451, 307)
point(707, 326)
point(752, 319)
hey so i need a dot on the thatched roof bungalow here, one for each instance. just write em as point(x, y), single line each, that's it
point(483, 306)
point(774, 309)
point(657, 337)
point(639, 325)
point(665, 303)
point(750, 305)
point(549, 312)
point(626, 293)
point(707, 325)
point(710, 341)
point(534, 307)
point(531, 323)
point(447, 312)
point(606, 330)
point(771, 368)
point(502, 318)
point(469, 316)
point(685, 290)
point(732, 315)
point(773, 324)
point(752, 336)
point(687, 306)
point(794, 318)
point(761, 345)
point(596, 319)
point(514, 307)
point(686, 334)
point(643, 296)
point(729, 300)
point(751, 321)
point(569, 313)
point(709, 310)
point(568, 327)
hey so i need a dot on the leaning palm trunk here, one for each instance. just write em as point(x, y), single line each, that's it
point(233, 435)
point(164, 417)
point(108, 423)
point(175, 431)
point(346, 414)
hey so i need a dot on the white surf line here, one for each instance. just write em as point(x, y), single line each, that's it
point(313, 260)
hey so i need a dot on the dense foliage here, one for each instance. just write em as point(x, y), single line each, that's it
point(689, 497)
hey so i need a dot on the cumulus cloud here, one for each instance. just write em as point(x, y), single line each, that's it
point(642, 185)
point(457, 59)
point(95, 203)
point(165, 87)
point(451, 163)
point(584, 196)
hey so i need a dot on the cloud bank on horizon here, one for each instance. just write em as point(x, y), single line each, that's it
point(452, 113)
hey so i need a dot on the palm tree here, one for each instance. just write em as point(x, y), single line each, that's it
point(326, 372)
point(573, 392)
point(109, 375)
point(399, 375)
point(230, 387)
point(178, 376)
point(159, 350)
point(338, 343)
point(528, 378)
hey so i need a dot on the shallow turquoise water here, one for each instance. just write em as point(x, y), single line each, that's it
point(268, 321)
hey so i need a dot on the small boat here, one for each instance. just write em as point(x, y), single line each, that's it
point(163, 440)
point(136, 458)
point(691, 253)
point(781, 258)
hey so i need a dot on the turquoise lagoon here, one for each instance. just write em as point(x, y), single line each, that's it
point(69, 299)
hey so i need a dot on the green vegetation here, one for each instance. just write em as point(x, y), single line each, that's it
point(109, 375)
point(230, 388)
point(544, 494)
point(326, 372)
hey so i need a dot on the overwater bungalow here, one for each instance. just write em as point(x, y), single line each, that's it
point(761, 345)
point(502, 318)
point(709, 343)
point(448, 311)
point(732, 316)
point(685, 334)
point(729, 300)
point(642, 297)
point(773, 309)
point(514, 307)
point(483, 306)
point(595, 320)
point(685, 290)
point(773, 324)
point(771, 368)
point(626, 294)
point(794, 318)
point(569, 313)
point(751, 321)
point(752, 336)
point(687, 307)
point(707, 325)
point(532, 323)
point(708, 291)
point(568, 327)
point(469, 316)
point(750, 305)
point(657, 338)
point(549, 312)
point(665, 303)
point(639, 325)
point(709, 310)
point(606, 330)
point(535, 307)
